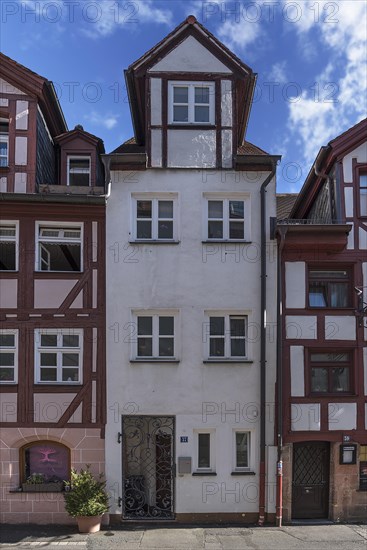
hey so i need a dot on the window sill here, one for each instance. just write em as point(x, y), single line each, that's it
point(225, 241)
point(67, 384)
point(154, 360)
point(224, 360)
point(204, 473)
point(154, 241)
point(247, 473)
point(7, 383)
point(191, 125)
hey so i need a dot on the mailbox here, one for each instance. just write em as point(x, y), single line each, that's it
point(348, 454)
point(184, 464)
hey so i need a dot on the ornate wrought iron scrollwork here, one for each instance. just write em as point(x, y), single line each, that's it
point(148, 467)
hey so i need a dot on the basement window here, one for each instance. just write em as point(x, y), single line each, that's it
point(363, 468)
point(59, 248)
point(45, 461)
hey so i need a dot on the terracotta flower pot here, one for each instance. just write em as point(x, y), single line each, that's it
point(89, 524)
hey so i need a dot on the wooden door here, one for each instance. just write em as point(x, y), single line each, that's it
point(310, 486)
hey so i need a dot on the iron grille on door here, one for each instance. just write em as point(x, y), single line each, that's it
point(148, 467)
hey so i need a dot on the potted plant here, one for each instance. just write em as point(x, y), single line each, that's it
point(41, 484)
point(86, 499)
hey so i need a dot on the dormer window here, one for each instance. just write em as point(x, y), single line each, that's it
point(191, 103)
point(4, 142)
point(79, 171)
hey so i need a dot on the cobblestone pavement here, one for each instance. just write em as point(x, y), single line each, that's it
point(301, 537)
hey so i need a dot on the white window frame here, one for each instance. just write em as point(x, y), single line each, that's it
point(59, 350)
point(78, 157)
point(58, 225)
point(226, 198)
point(155, 198)
point(133, 337)
point(12, 224)
point(227, 336)
point(191, 85)
point(11, 349)
point(249, 450)
point(212, 457)
point(4, 138)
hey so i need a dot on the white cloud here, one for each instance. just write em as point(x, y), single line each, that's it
point(98, 18)
point(339, 100)
point(236, 36)
point(278, 73)
point(98, 119)
point(114, 15)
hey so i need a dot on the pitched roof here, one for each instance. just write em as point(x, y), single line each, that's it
point(189, 21)
point(285, 202)
point(135, 75)
point(248, 148)
point(328, 154)
point(80, 132)
point(35, 85)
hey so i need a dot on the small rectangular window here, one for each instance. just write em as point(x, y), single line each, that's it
point(242, 440)
point(227, 336)
point(59, 356)
point(8, 246)
point(4, 142)
point(59, 248)
point(8, 356)
point(329, 288)
point(330, 372)
point(226, 219)
point(191, 103)
point(204, 450)
point(155, 219)
point(363, 195)
point(79, 171)
point(155, 336)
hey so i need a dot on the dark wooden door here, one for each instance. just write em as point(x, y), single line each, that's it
point(310, 486)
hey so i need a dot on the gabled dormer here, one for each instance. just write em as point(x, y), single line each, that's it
point(80, 169)
point(190, 100)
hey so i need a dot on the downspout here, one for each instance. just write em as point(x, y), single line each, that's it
point(279, 493)
point(262, 482)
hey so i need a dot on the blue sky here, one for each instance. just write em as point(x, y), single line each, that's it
point(310, 57)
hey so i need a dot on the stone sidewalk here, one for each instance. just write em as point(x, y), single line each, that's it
point(304, 537)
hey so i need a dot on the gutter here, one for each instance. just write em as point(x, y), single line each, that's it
point(263, 276)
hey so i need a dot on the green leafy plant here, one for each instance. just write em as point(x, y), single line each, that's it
point(35, 478)
point(85, 495)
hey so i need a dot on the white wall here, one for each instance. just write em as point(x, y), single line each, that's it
point(191, 277)
point(190, 56)
point(295, 285)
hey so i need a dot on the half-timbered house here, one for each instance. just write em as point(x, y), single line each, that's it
point(52, 298)
point(323, 381)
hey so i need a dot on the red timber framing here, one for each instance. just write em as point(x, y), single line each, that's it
point(329, 246)
point(88, 314)
point(39, 94)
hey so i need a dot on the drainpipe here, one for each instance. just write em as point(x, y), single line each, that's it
point(279, 493)
point(263, 345)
